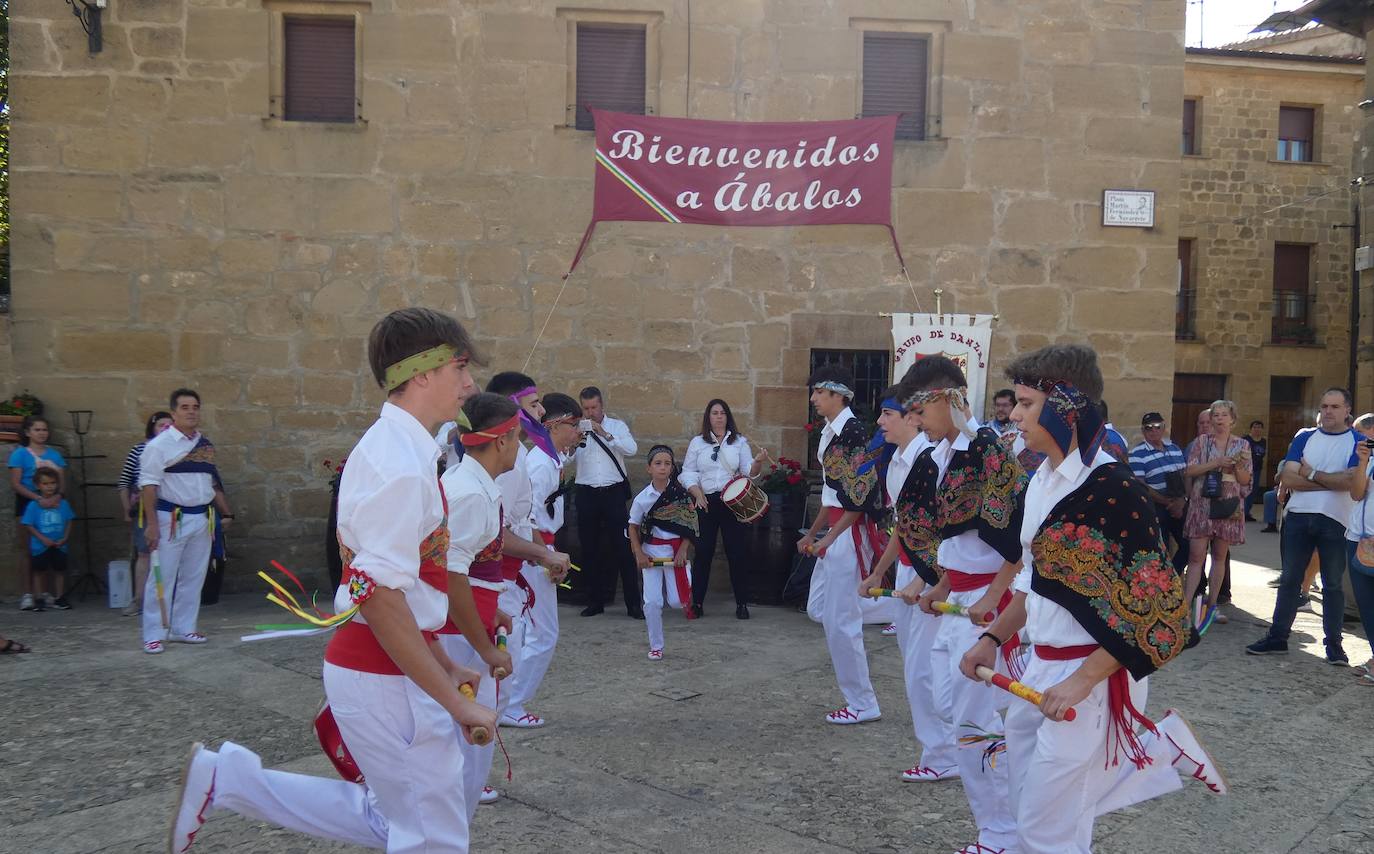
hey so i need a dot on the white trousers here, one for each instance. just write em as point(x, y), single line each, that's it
point(880, 611)
point(654, 581)
point(476, 759)
point(403, 741)
point(541, 636)
point(978, 704)
point(1060, 774)
point(834, 601)
point(927, 675)
point(183, 562)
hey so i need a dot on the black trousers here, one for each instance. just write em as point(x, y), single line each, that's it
point(1173, 529)
point(601, 519)
point(718, 518)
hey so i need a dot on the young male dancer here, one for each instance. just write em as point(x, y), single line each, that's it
point(545, 466)
point(393, 692)
point(521, 545)
point(475, 523)
point(850, 498)
point(926, 672)
point(971, 487)
point(1103, 609)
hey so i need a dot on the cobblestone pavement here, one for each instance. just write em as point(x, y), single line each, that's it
point(95, 733)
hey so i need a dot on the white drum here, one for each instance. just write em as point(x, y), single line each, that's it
point(744, 499)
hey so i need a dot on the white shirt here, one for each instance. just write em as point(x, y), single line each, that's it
point(698, 469)
point(594, 466)
point(545, 474)
point(517, 495)
point(389, 502)
point(1325, 452)
point(640, 507)
point(1047, 622)
point(828, 434)
point(966, 552)
point(1362, 511)
point(189, 489)
point(441, 439)
point(474, 516)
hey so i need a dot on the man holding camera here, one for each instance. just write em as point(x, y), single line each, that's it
point(603, 493)
point(1159, 463)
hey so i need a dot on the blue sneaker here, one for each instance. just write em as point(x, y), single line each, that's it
point(1267, 646)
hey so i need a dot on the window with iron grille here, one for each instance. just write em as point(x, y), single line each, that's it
point(1185, 316)
point(319, 69)
point(1296, 125)
point(610, 70)
point(1293, 294)
point(871, 370)
point(895, 78)
point(1190, 140)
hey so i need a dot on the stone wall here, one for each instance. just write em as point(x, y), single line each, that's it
point(1236, 201)
point(168, 232)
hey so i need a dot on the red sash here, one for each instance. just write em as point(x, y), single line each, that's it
point(862, 527)
point(680, 579)
point(1065, 653)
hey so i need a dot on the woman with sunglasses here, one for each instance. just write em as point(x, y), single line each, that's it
point(715, 457)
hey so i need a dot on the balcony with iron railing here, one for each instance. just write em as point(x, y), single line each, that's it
point(1293, 318)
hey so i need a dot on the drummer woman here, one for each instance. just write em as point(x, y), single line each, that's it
point(713, 459)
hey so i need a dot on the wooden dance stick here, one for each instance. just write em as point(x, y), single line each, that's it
point(500, 672)
point(480, 736)
point(1025, 692)
point(943, 607)
point(157, 587)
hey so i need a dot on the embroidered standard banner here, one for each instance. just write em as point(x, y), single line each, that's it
point(651, 169)
point(965, 338)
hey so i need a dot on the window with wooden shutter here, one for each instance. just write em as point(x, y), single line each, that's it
point(1295, 133)
point(610, 70)
point(1293, 294)
point(895, 75)
point(319, 62)
point(1190, 126)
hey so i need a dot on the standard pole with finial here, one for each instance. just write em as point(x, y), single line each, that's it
point(939, 292)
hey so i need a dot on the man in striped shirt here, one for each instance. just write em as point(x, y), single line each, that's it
point(1152, 461)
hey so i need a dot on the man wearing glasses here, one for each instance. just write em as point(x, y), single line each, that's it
point(1159, 464)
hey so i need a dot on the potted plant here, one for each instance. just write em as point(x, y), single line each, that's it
point(13, 411)
point(785, 485)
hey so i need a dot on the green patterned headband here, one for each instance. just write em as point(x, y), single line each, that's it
point(412, 366)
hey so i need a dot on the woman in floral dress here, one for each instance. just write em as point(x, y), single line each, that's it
point(1230, 456)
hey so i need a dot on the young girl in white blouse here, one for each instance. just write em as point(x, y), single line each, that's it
point(663, 523)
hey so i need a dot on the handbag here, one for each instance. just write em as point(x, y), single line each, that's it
point(1364, 549)
point(1219, 507)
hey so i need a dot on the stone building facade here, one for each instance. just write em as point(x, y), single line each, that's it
point(171, 228)
point(1245, 331)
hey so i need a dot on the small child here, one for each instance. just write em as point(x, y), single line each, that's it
point(666, 510)
point(49, 529)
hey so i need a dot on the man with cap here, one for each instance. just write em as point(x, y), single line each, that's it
point(1159, 464)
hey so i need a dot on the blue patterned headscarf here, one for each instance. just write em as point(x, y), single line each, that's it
point(1068, 413)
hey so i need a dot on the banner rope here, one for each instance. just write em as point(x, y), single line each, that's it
point(547, 318)
point(912, 285)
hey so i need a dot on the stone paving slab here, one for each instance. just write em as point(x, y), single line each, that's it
point(96, 733)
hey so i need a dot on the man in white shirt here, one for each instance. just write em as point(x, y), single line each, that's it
point(850, 498)
point(391, 688)
point(177, 479)
point(1102, 607)
point(603, 498)
point(1002, 404)
point(926, 671)
point(1317, 469)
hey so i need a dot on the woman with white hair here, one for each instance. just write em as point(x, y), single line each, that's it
point(1219, 465)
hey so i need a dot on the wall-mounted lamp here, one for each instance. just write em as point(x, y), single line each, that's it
point(89, 16)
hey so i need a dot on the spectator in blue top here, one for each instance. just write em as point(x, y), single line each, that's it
point(49, 530)
point(1259, 449)
point(1159, 464)
point(1318, 469)
point(32, 454)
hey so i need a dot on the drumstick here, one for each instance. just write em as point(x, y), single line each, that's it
point(480, 736)
point(1025, 692)
point(500, 672)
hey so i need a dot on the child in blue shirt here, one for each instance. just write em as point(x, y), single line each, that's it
point(49, 530)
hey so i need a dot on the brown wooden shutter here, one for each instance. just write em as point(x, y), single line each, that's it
point(1292, 267)
point(1190, 126)
point(320, 70)
point(895, 72)
point(1295, 123)
point(610, 70)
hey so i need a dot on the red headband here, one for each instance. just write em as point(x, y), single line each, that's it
point(481, 437)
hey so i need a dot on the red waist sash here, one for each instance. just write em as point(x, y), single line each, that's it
point(1065, 653)
point(510, 567)
point(355, 647)
point(963, 582)
point(546, 537)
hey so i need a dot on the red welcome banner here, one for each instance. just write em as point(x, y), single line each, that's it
point(651, 169)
